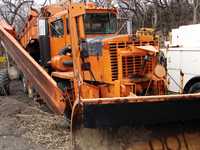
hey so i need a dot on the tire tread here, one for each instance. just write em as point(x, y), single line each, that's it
point(5, 82)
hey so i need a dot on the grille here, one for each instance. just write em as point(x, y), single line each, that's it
point(131, 65)
point(113, 58)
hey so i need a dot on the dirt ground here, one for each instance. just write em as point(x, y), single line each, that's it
point(26, 124)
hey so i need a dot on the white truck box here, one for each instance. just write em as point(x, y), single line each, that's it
point(185, 61)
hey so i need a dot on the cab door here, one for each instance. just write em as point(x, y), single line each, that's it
point(57, 35)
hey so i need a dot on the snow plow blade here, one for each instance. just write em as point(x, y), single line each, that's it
point(139, 123)
point(115, 112)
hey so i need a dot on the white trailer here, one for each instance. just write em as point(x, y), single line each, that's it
point(183, 60)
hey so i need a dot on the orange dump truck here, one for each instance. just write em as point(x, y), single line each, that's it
point(110, 88)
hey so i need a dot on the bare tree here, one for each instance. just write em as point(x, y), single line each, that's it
point(12, 10)
point(196, 4)
point(161, 15)
point(15, 12)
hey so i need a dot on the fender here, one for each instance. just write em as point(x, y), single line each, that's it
point(191, 82)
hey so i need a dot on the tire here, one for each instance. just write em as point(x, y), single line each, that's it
point(61, 83)
point(45, 54)
point(4, 82)
point(20, 74)
point(195, 88)
point(31, 90)
point(25, 83)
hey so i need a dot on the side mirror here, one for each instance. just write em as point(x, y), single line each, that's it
point(41, 27)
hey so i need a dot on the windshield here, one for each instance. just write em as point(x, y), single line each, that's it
point(100, 23)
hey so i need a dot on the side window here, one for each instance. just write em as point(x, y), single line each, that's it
point(112, 24)
point(67, 26)
point(57, 28)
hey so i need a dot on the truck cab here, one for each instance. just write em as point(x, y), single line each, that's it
point(97, 22)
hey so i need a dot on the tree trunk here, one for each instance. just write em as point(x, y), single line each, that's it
point(195, 8)
point(155, 16)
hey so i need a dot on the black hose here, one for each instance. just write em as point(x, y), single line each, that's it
point(68, 63)
point(65, 49)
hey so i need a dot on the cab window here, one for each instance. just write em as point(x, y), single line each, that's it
point(57, 28)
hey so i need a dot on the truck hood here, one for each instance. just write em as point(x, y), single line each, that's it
point(95, 44)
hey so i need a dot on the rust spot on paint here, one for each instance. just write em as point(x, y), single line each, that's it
point(117, 101)
point(125, 100)
point(99, 102)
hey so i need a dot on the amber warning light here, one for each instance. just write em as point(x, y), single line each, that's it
point(106, 46)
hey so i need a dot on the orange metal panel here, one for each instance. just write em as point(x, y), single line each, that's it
point(120, 65)
point(89, 91)
point(106, 65)
point(56, 4)
point(63, 75)
point(56, 44)
point(149, 48)
point(117, 88)
point(81, 27)
point(77, 9)
point(8, 28)
point(74, 11)
point(96, 67)
point(57, 62)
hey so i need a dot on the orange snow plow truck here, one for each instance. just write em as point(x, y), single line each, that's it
point(110, 88)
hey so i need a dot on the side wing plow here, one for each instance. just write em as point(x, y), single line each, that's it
point(42, 82)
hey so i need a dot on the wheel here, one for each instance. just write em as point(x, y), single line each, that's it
point(62, 84)
point(25, 83)
point(20, 74)
point(31, 90)
point(4, 82)
point(195, 88)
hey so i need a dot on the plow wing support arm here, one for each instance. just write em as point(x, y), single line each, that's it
point(40, 79)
